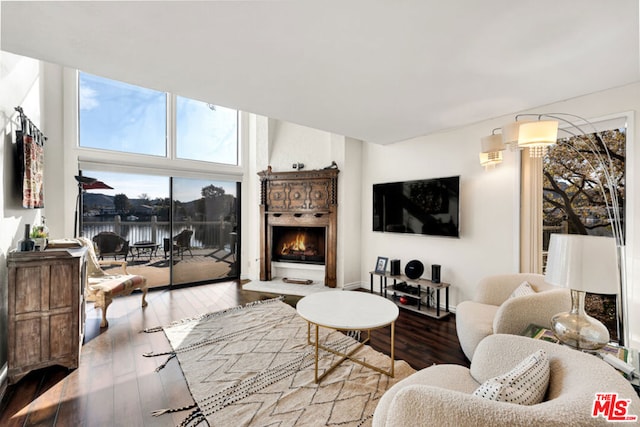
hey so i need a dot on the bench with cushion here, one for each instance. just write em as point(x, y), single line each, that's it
point(103, 287)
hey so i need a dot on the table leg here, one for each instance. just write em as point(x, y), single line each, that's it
point(371, 281)
point(317, 343)
point(393, 348)
point(446, 299)
point(349, 355)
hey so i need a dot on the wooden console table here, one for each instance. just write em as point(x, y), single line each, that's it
point(416, 293)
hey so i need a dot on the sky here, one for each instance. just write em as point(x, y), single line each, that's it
point(122, 117)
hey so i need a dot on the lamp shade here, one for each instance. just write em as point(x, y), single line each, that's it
point(491, 143)
point(539, 133)
point(491, 148)
point(583, 263)
point(510, 132)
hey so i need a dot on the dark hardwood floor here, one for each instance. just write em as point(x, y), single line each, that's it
point(116, 386)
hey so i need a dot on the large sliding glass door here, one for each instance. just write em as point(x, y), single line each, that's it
point(179, 231)
point(205, 220)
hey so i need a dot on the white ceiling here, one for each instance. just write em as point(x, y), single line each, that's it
point(380, 71)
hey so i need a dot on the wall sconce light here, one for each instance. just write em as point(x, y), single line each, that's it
point(491, 150)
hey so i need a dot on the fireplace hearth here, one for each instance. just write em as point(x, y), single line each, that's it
point(299, 220)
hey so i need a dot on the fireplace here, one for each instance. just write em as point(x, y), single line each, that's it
point(298, 244)
point(299, 220)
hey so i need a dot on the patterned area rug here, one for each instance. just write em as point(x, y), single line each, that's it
point(251, 366)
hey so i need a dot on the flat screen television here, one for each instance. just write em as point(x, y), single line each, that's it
point(426, 206)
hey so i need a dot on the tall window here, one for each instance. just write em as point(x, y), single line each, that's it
point(206, 132)
point(181, 223)
point(121, 117)
point(573, 201)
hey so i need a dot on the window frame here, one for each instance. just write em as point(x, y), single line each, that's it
point(531, 223)
point(170, 161)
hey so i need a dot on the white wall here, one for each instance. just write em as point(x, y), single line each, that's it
point(280, 144)
point(489, 199)
point(20, 86)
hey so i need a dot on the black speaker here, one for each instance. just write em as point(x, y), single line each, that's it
point(414, 269)
point(435, 273)
point(395, 267)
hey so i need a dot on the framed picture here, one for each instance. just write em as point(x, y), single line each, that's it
point(381, 265)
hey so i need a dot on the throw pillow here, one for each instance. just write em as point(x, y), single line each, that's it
point(524, 289)
point(526, 384)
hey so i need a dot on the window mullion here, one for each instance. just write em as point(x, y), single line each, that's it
point(171, 126)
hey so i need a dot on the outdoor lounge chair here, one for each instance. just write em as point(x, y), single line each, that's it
point(181, 243)
point(109, 243)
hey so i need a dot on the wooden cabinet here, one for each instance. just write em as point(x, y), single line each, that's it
point(45, 309)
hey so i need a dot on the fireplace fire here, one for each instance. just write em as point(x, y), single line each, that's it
point(299, 244)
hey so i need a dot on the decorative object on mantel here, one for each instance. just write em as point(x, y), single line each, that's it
point(333, 165)
point(299, 200)
point(537, 132)
point(234, 383)
point(30, 150)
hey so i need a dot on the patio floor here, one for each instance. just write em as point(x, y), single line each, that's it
point(205, 264)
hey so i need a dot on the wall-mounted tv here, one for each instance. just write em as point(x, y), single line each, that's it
point(426, 206)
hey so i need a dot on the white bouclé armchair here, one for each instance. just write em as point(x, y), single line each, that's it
point(442, 395)
point(493, 311)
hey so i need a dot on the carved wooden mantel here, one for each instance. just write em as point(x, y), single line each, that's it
point(303, 199)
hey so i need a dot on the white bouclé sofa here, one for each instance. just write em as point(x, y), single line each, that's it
point(493, 311)
point(442, 395)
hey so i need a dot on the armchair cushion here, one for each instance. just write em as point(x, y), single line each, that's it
point(526, 384)
point(525, 288)
point(492, 311)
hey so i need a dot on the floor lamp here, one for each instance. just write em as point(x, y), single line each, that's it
point(537, 132)
point(77, 224)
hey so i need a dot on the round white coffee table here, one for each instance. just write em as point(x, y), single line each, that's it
point(347, 310)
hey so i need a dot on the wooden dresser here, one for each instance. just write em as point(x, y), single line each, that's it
point(45, 309)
